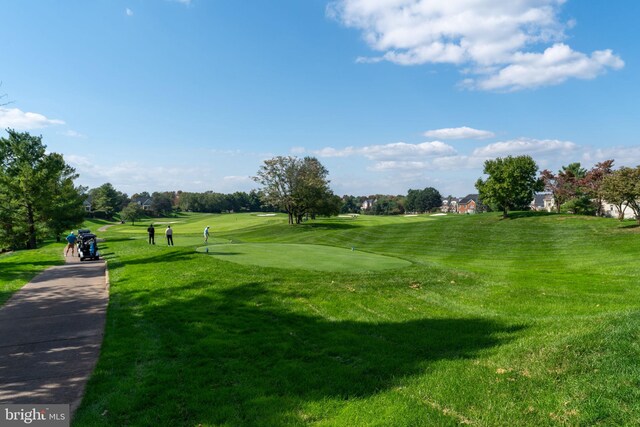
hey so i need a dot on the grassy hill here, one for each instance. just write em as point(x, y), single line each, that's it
point(474, 320)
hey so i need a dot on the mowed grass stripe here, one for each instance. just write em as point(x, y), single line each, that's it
point(305, 257)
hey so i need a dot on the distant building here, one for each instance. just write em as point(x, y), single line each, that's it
point(611, 211)
point(539, 202)
point(367, 204)
point(144, 202)
point(470, 203)
point(549, 203)
point(450, 205)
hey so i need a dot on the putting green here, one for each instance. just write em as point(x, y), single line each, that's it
point(305, 257)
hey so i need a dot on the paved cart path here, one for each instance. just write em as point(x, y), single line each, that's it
point(50, 334)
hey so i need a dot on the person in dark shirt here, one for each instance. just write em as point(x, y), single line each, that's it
point(152, 234)
point(169, 233)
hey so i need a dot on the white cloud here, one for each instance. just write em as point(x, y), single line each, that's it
point(525, 146)
point(128, 12)
point(623, 156)
point(73, 134)
point(394, 165)
point(463, 132)
point(17, 119)
point(233, 179)
point(457, 163)
point(554, 66)
point(135, 176)
point(78, 161)
point(443, 163)
point(490, 39)
point(394, 151)
point(333, 152)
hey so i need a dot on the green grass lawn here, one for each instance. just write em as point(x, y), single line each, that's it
point(18, 268)
point(298, 256)
point(532, 320)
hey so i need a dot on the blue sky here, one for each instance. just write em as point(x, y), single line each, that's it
point(389, 95)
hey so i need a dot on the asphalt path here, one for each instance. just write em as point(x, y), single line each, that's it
point(50, 334)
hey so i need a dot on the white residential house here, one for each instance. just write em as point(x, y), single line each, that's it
point(144, 202)
point(611, 211)
point(367, 204)
point(538, 202)
point(608, 209)
point(549, 203)
point(450, 206)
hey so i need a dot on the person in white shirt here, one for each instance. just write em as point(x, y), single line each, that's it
point(169, 233)
point(206, 234)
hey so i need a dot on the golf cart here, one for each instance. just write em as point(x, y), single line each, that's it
point(87, 245)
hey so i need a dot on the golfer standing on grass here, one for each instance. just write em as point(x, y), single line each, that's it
point(152, 234)
point(169, 234)
point(206, 234)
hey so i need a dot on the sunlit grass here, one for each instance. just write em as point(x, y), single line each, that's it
point(527, 321)
point(18, 268)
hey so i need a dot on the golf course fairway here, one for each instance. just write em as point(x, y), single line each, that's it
point(301, 256)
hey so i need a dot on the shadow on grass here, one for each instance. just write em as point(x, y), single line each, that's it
point(528, 214)
point(324, 225)
point(239, 357)
point(630, 226)
point(160, 259)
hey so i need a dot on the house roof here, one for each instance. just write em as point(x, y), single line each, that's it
point(142, 200)
point(469, 197)
point(538, 199)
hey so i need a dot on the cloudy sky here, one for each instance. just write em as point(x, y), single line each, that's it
point(388, 94)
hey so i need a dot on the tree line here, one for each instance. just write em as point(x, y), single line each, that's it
point(107, 202)
point(39, 199)
point(512, 183)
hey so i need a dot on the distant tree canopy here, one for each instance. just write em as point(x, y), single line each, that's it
point(162, 203)
point(383, 204)
point(622, 188)
point(37, 194)
point(132, 212)
point(423, 200)
point(218, 202)
point(511, 183)
point(298, 186)
point(350, 204)
point(576, 190)
point(107, 201)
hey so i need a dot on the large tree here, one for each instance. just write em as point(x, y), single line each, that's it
point(565, 185)
point(65, 210)
point(297, 186)
point(614, 190)
point(423, 200)
point(622, 188)
point(511, 183)
point(132, 212)
point(575, 189)
point(106, 200)
point(36, 191)
point(162, 203)
point(593, 181)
